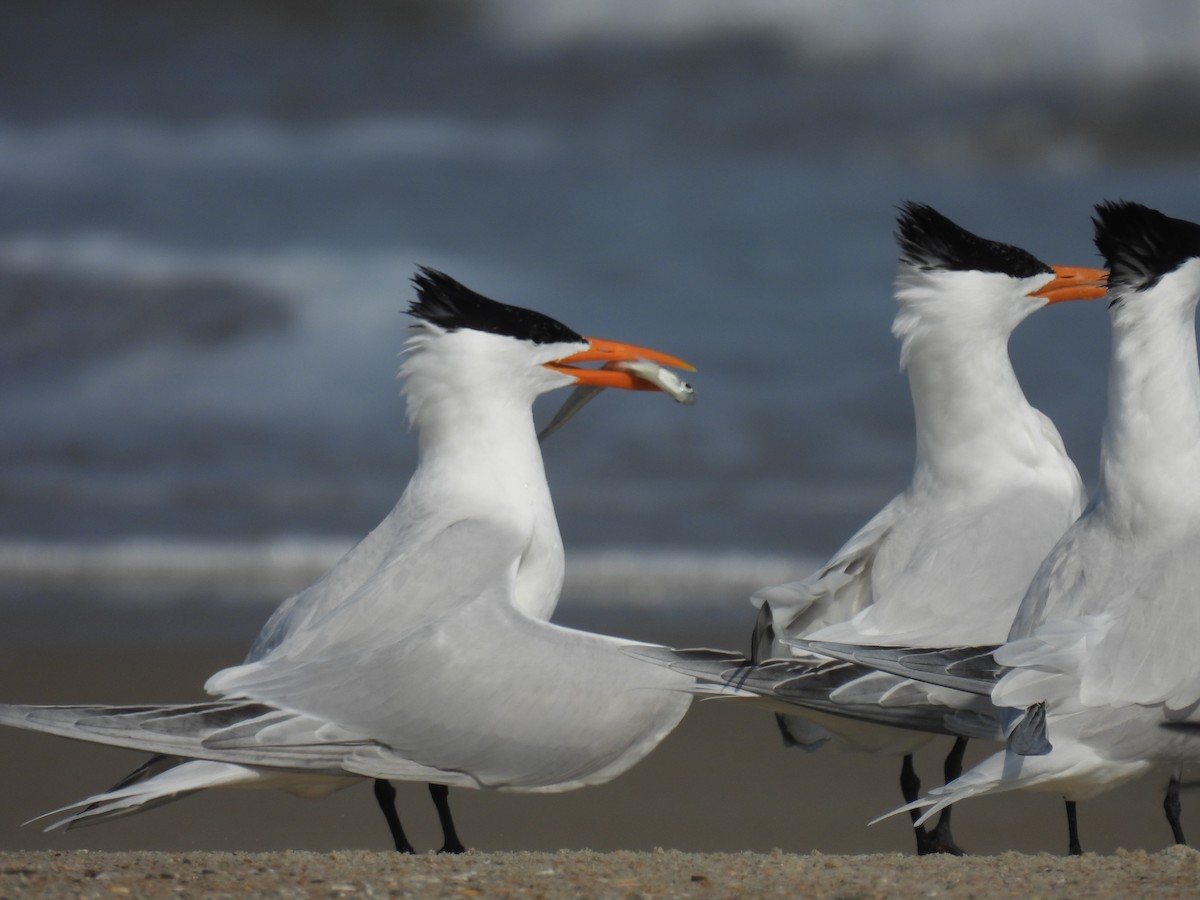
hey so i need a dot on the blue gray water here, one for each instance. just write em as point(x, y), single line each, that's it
point(209, 214)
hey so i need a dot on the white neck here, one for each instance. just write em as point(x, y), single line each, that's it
point(1151, 448)
point(481, 449)
point(972, 417)
point(971, 414)
point(478, 456)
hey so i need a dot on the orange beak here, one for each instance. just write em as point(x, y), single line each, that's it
point(1072, 283)
point(604, 351)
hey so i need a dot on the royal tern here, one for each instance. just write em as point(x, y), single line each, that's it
point(992, 490)
point(426, 653)
point(1102, 649)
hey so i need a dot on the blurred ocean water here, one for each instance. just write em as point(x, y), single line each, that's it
point(209, 214)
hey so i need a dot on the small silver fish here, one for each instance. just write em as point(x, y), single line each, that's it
point(664, 379)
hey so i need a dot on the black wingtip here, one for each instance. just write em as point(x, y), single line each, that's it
point(1030, 737)
point(929, 240)
point(1140, 245)
point(451, 305)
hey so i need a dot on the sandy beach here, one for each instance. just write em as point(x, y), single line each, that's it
point(664, 873)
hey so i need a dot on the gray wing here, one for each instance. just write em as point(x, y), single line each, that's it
point(468, 691)
point(955, 574)
point(504, 700)
point(473, 686)
point(838, 590)
point(380, 593)
point(198, 730)
point(1110, 620)
point(848, 690)
point(970, 669)
point(858, 692)
point(520, 705)
point(394, 544)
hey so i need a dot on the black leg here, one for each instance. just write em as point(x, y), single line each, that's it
point(385, 796)
point(910, 787)
point(1172, 807)
point(1073, 845)
point(952, 768)
point(441, 799)
point(940, 839)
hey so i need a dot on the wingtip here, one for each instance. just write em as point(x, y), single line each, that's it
point(1029, 735)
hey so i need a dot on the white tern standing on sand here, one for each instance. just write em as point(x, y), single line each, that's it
point(992, 490)
point(1103, 648)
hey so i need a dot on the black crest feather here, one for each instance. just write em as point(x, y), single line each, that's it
point(451, 305)
point(928, 240)
point(1140, 245)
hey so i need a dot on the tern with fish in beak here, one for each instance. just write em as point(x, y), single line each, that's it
point(426, 653)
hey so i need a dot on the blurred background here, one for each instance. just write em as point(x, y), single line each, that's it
point(210, 212)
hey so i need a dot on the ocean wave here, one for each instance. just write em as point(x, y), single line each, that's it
point(56, 325)
point(82, 149)
point(1109, 39)
point(304, 271)
point(152, 571)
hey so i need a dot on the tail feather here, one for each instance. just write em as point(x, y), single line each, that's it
point(150, 786)
point(1008, 771)
point(153, 766)
point(985, 778)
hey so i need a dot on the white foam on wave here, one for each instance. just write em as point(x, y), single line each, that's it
point(150, 571)
point(347, 306)
point(1108, 39)
point(82, 150)
point(304, 272)
point(169, 568)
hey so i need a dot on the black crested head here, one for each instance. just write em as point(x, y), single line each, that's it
point(928, 240)
point(1140, 245)
point(450, 305)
